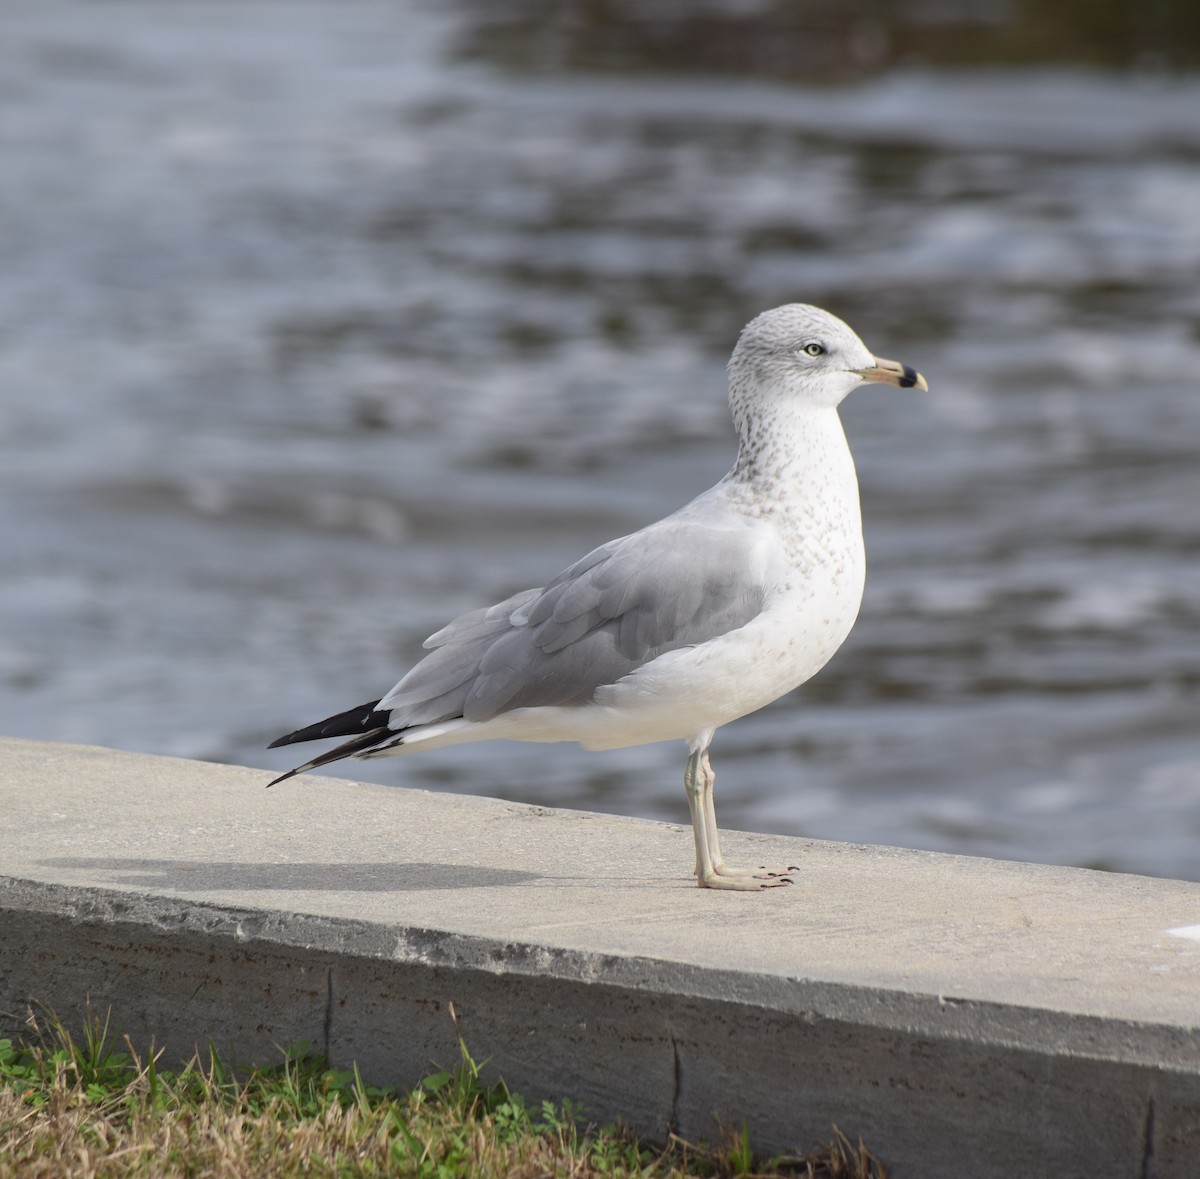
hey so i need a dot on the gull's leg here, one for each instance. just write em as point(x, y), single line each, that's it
point(711, 870)
point(696, 810)
point(708, 780)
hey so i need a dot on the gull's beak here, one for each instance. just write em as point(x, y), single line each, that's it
point(892, 372)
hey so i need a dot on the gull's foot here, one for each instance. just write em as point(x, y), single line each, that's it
point(743, 879)
point(723, 869)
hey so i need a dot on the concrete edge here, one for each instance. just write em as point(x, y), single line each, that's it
point(1027, 1028)
point(933, 1104)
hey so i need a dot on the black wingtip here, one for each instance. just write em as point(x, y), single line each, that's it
point(284, 777)
point(360, 719)
point(360, 744)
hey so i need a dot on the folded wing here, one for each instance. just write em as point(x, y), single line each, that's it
point(678, 583)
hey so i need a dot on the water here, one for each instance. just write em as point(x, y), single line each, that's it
point(319, 323)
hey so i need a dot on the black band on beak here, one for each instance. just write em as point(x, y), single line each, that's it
point(910, 378)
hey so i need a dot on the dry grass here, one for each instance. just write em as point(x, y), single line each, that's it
point(80, 1106)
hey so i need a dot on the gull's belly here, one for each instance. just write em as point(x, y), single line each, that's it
point(696, 689)
point(691, 691)
point(817, 571)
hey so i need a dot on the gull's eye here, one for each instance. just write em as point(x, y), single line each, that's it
point(813, 349)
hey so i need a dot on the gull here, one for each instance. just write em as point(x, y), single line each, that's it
point(673, 631)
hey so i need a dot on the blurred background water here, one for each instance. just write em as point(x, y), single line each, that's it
point(321, 322)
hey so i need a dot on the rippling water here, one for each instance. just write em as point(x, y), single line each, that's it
point(319, 323)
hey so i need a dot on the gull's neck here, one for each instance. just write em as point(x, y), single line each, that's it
point(791, 444)
point(794, 470)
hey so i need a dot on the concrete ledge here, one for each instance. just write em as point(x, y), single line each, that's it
point(966, 1016)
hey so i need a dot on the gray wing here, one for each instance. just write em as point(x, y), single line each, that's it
point(675, 584)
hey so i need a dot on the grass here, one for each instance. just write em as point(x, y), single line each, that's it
point(86, 1104)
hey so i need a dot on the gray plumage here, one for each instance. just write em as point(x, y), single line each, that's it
point(676, 584)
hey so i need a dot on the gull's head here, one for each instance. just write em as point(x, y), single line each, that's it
point(802, 353)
